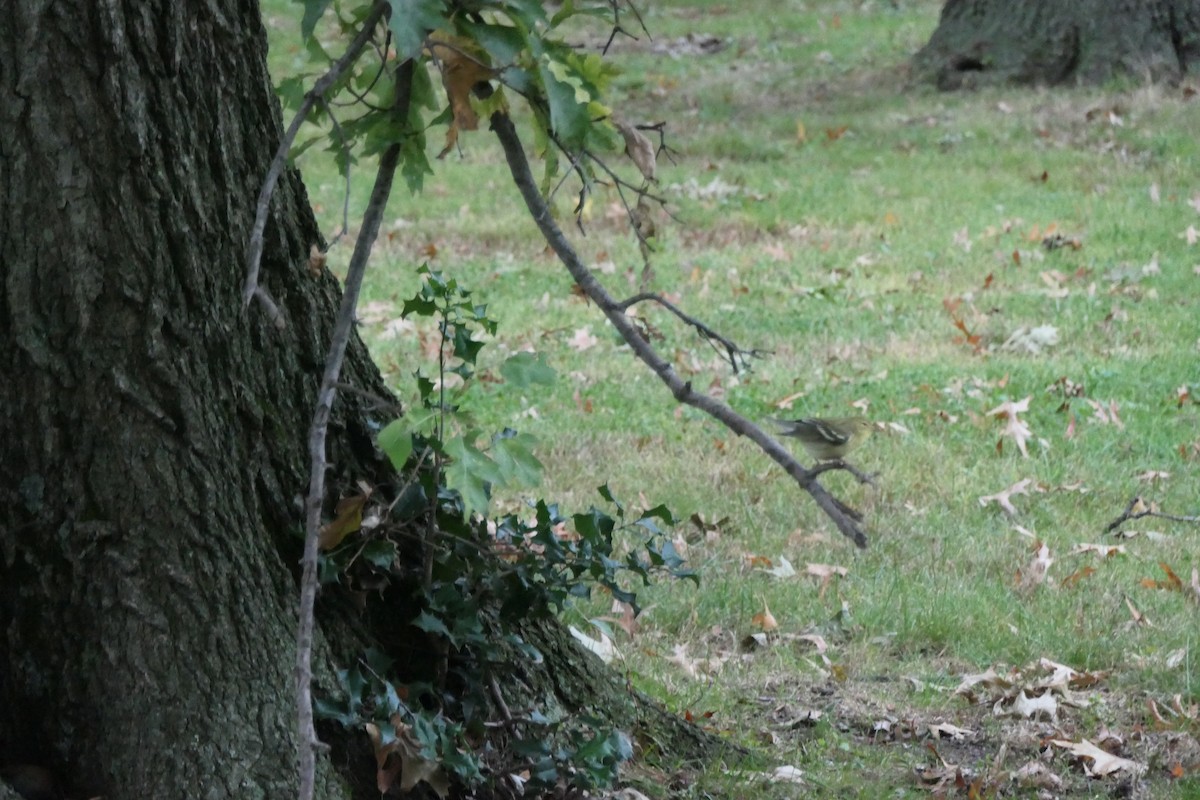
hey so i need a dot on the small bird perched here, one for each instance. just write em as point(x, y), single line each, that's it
point(827, 439)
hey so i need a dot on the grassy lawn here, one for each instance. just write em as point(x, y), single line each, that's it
point(885, 245)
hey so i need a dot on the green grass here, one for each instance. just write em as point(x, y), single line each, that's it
point(836, 255)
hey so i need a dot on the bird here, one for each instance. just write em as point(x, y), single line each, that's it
point(827, 439)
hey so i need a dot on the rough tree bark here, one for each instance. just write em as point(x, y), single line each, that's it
point(152, 432)
point(983, 42)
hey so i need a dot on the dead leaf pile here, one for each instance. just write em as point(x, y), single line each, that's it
point(1035, 693)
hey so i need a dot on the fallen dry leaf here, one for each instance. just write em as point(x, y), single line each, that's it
point(1105, 550)
point(765, 619)
point(582, 340)
point(1014, 427)
point(1101, 761)
point(1001, 498)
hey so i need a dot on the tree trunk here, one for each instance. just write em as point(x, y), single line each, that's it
point(984, 42)
point(153, 432)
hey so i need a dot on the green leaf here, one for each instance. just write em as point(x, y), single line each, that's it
point(420, 305)
point(411, 21)
point(514, 455)
point(660, 512)
point(396, 440)
point(313, 9)
point(380, 553)
point(568, 99)
point(431, 624)
point(525, 369)
point(470, 473)
point(465, 347)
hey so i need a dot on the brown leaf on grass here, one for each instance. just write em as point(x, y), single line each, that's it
point(582, 339)
point(1028, 706)
point(348, 519)
point(765, 619)
point(1152, 476)
point(1034, 575)
point(1105, 550)
point(944, 730)
point(1105, 413)
point(989, 679)
point(1002, 498)
point(1014, 427)
point(1097, 762)
point(824, 573)
point(639, 148)
point(1171, 583)
point(1078, 575)
point(786, 402)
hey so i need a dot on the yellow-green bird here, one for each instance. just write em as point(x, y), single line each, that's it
point(827, 439)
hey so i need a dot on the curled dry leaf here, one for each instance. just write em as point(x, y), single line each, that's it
point(639, 148)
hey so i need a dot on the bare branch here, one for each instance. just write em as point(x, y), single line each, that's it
point(343, 328)
point(337, 128)
point(737, 357)
point(519, 167)
point(255, 247)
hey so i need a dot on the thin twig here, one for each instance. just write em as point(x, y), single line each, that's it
point(337, 128)
point(518, 165)
point(254, 250)
point(734, 354)
point(1138, 508)
point(343, 328)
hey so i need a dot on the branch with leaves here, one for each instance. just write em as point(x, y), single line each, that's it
point(614, 311)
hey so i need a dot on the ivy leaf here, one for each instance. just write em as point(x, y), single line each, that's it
point(411, 21)
point(397, 442)
point(526, 369)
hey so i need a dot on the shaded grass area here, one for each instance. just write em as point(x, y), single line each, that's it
point(841, 219)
